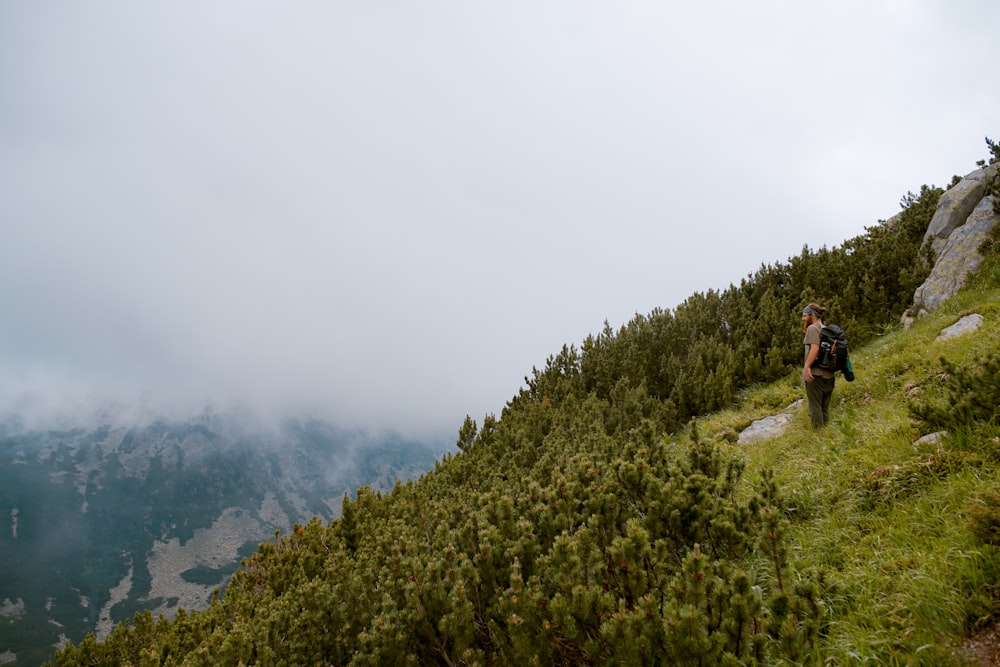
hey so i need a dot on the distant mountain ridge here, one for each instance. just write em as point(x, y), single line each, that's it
point(106, 521)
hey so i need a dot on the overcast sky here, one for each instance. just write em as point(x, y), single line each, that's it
point(385, 213)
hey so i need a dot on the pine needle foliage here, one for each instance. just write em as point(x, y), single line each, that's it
point(993, 185)
point(968, 395)
point(606, 549)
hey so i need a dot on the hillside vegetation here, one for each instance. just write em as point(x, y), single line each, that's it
point(601, 520)
point(106, 520)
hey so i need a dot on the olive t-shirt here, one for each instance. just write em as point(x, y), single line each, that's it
point(813, 338)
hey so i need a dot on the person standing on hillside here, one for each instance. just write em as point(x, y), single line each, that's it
point(819, 382)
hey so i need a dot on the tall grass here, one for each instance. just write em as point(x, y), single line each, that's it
point(885, 516)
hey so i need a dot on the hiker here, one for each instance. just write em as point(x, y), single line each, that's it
point(819, 381)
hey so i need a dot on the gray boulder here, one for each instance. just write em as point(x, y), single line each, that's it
point(966, 325)
point(769, 427)
point(932, 438)
point(957, 255)
point(955, 207)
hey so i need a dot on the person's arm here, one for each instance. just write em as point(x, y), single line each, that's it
point(807, 373)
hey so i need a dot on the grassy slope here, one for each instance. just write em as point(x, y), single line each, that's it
point(884, 515)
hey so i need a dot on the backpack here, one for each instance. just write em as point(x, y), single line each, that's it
point(833, 352)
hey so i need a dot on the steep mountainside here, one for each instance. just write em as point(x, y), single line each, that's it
point(553, 538)
point(594, 522)
point(103, 522)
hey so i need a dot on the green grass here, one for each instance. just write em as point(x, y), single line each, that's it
point(885, 517)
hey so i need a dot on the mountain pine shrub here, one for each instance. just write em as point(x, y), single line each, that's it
point(969, 396)
point(612, 548)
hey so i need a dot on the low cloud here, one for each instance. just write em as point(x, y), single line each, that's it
point(386, 217)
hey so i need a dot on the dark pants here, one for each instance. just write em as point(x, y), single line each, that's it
point(818, 393)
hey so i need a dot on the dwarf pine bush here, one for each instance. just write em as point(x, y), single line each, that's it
point(606, 550)
point(969, 396)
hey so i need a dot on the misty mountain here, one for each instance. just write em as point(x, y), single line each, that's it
point(99, 523)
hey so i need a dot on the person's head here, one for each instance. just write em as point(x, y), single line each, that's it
point(811, 314)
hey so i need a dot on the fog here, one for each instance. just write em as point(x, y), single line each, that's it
point(384, 214)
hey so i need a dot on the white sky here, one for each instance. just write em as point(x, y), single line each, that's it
point(385, 213)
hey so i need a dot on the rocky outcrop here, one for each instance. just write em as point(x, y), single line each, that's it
point(963, 220)
point(955, 207)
